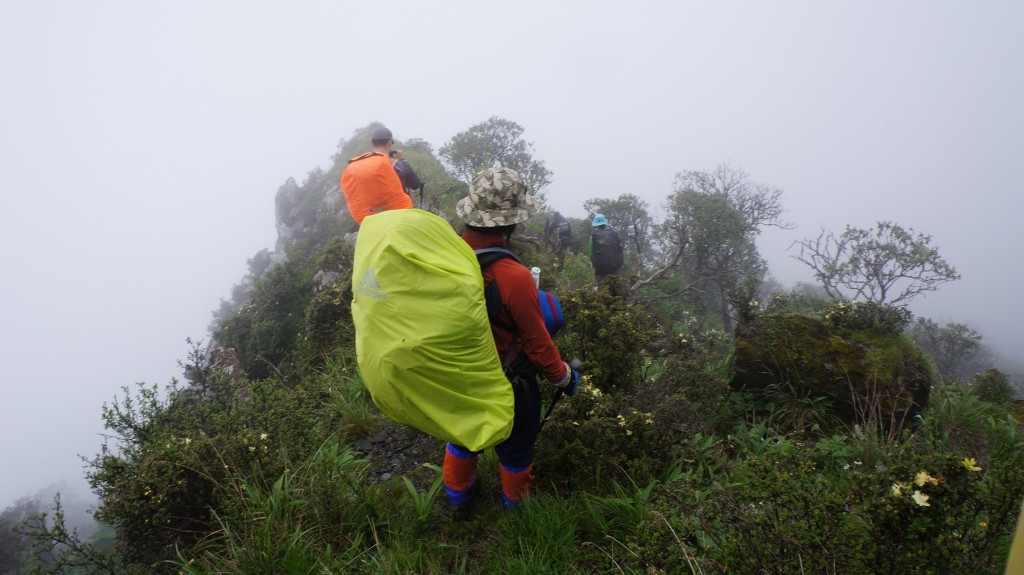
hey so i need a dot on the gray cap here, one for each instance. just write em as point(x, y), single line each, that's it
point(497, 197)
point(381, 133)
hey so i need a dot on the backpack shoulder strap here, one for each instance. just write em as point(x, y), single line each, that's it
point(488, 256)
point(364, 156)
point(492, 297)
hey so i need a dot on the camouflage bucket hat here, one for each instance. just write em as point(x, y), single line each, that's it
point(497, 197)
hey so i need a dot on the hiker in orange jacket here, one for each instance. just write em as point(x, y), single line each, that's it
point(370, 182)
point(498, 201)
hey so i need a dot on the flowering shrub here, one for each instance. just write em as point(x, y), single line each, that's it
point(619, 435)
point(779, 511)
point(867, 315)
point(936, 514)
point(177, 455)
point(608, 335)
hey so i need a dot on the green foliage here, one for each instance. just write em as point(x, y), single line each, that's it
point(424, 502)
point(55, 546)
point(937, 514)
point(803, 299)
point(654, 466)
point(264, 332)
point(992, 386)
point(595, 433)
point(954, 347)
point(854, 357)
point(634, 435)
point(542, 540)
point(327, 318)
point(628, 214)
point(575, 273)
point(775, 496)
point(291, 322)
point(289, 526)
point(960, 422)
point(607, 334)
point(15, 546)
point(855, 316)
point(441, 190)
point(495, 143)
point(915, 514)
point(178, 451)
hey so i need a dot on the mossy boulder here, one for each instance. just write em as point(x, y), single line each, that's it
point(853, 355)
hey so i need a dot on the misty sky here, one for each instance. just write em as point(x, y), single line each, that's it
point(142, 143)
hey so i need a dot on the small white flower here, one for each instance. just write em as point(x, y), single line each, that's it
point(921, 499)
point(922, 478)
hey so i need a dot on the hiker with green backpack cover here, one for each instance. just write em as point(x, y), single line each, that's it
point(498, 201)
point(430, 352)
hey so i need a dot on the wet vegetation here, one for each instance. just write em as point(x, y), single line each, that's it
point(718, 429)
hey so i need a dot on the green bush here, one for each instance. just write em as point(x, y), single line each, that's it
point(992, 386)
point(866, 315)
point(608, 335)
point(866, 370)
point(937, 513)
point(176, 455)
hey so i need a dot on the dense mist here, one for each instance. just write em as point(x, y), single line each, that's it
point(141, 148)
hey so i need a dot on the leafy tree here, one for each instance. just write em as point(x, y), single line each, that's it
point(708, 245)
point(441, 190)
point(628, 214)
point(955, 348)
point(760, 204)
point(887, 265)
point(992, 386)
point(708, 237)
point(495, 143)
point(15, 546)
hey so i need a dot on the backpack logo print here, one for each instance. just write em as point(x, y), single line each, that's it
point(369, 286)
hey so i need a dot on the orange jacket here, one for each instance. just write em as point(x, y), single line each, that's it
point(371, 185)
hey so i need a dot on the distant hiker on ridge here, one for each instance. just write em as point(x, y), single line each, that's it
point(497, 202)
point(558, 233)
point(371, 183)
point(605, 249)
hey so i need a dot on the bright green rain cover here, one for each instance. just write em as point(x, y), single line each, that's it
point(423, 341)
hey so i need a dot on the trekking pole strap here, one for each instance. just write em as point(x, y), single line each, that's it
point(547, 415)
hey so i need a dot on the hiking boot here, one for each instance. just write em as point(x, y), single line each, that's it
point(461, 511)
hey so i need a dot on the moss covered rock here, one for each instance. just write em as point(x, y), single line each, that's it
point(856, 358)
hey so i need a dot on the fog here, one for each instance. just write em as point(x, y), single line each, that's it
point(141, 146)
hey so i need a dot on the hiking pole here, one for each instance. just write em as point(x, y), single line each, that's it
point(574, 364)
point(421, 196)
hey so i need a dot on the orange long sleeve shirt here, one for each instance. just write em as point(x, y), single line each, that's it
point(521, 308)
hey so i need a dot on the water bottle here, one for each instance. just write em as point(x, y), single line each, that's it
point(535, 272)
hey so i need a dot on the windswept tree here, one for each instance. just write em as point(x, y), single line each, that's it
point(955, 348)
point(888, 265)
point(495, 143)
point(628, 214)
point(15, 546)
point(707, 242)
point(760, 204)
